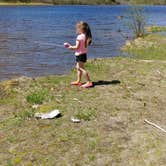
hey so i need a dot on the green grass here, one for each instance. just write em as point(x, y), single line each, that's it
point(25, 114)
point(112, 129)
point(37, 97)
point(150, 47)
point(150, 2)
point(86, 114)
point(156, 29)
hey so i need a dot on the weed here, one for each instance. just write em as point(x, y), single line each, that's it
point(86, 114)
point(24, 114)
point(37, 97)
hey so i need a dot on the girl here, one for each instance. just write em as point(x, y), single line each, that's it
point(84, 39)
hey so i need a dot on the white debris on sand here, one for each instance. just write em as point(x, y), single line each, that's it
point(50, 115)
point(75, 120)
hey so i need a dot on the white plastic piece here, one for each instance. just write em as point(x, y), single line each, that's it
point(75, 120)
point(49, 115)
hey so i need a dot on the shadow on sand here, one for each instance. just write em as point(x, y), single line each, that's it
point(102, 82)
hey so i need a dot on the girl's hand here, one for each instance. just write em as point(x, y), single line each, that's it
point(70, 47)
point(75, 47)
point(67, 45)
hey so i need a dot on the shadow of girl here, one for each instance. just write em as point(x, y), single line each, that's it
point(102, 82)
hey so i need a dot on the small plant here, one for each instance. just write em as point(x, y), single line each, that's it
point(91, 158)
point(37, 97)
point(156, 29)
point(28, 113)
point(86, 115)
point(92, 144)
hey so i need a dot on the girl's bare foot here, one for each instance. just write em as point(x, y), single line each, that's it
point(77, 83)
point(87, 85)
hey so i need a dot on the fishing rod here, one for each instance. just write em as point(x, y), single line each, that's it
point(49, 44)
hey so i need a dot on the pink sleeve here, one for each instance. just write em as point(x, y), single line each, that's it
point(79, 38)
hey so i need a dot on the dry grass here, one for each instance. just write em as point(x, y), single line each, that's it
point(112, 130)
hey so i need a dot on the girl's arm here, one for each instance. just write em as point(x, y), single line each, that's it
point(76, 46)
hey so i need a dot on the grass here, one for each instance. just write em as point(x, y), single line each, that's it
point(37, 97)
point(156, 29)
point(86, 114)
point(112, 129)
point(150, 47)
point(59, 2)
point(146, 2)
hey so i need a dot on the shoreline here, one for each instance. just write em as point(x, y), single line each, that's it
point(111, 114)
point(53, 75)
point(48, 4)
point(131, 47)
point(2, 4)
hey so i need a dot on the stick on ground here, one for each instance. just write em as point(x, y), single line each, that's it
point(153, 124)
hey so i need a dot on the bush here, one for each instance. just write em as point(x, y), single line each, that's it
point(137, 20)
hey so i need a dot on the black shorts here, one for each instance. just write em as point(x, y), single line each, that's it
point(81, 58)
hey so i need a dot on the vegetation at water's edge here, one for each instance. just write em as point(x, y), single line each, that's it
point(152, 46)
point(156, 28)
point(151, 2)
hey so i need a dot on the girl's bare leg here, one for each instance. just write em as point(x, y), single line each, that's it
point(82, 69)
point(79, 76)
point(79, 73)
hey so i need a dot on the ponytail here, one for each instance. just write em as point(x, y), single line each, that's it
point(88, 35)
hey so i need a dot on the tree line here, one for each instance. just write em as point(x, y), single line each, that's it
point(91, 2)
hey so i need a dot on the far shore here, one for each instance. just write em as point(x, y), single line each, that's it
point(54, 4)
point(25, 4)
point(44, 4)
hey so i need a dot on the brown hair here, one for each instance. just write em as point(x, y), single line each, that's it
point(86, 29)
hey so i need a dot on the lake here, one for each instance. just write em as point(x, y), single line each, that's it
point(32, 37)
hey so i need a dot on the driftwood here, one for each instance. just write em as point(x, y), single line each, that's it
point(153, 124)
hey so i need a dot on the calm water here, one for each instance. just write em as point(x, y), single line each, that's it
point(27, 35)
